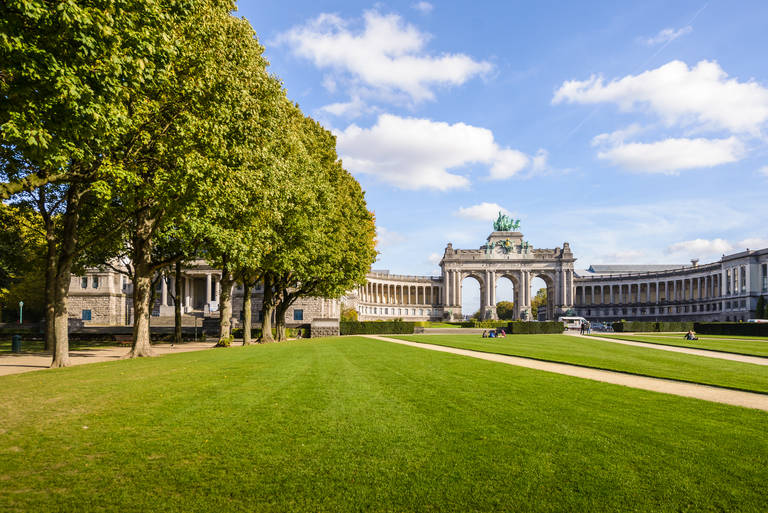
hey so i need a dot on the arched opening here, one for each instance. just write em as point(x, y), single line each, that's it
point(470, 296)
point(542, 298)
point(505, 298)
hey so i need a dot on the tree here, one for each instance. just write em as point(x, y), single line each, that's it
point(348, 314)
point(70, 71)
point(760, 311)
point(538, 301)
point(505, 310)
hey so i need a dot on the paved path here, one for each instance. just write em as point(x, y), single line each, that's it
point(25, 362)
point(709, 353)
point(666, 386)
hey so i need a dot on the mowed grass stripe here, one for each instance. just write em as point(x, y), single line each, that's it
point(611, 356)
point(745, 346)
point(355, 424)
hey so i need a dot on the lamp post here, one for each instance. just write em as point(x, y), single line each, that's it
point(21, 311)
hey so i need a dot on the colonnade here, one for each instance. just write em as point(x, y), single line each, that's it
point(646, 291)
point(400, 294)
point(212, 290)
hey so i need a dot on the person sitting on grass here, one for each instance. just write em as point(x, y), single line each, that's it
point(691, 335)
point(492, 334)
point(502, 333)
point(485, 334)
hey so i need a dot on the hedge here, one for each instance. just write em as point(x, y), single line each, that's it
point(640, 326)
point(376, 327)
point(532, 327)
point(751, 329)
point(484, 324)
point(256, 332)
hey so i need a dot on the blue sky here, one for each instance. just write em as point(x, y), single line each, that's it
point(636, 131)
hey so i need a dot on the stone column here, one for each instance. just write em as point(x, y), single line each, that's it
point(208, 289)
point(163, 291)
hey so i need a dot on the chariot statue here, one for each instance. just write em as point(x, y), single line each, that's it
point(504, 223)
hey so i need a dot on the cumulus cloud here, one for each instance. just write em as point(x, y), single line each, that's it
point(387, 238)
point(702, 96)
point(666, 35)
point(673, 155)
point(700, 247)
point(482, 212)
point(423, 7)
point(387, 56)
point(412, 153)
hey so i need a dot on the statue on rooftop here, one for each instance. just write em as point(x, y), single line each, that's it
point(504, 223)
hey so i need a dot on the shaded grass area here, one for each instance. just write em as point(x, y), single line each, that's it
point(38, 346)
point(742, 346)
point(611, 356)
point(356, 424)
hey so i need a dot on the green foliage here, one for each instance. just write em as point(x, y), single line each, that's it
point(484, 324)
point(756, 329)
point(650, 326)
point(22, 261)
point(760, 310)
point(375, 327)
point(505, 310)
point(539, 300)
point(348, 314)
point(225, 341)
point(532, 327)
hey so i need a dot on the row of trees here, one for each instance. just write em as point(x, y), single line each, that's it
point(142, 134)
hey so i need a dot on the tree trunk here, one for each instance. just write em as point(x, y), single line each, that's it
point(280, 310)
point(247, 313)
point(177, 306)
point(50, 288)
point(142, 286)
point(266, 312)
point(63, 278)
point(225, 302)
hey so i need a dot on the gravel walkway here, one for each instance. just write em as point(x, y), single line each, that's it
point(666, 386)
point(709, 353)
point(25, 362)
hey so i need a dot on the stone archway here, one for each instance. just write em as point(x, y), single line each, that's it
point(483, 287)
point(507, 254)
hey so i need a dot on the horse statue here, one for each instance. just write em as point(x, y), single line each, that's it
point(504, 223)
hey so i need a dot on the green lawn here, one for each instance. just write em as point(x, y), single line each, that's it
point(741, 346)
point(356, 424)
point(608, 355)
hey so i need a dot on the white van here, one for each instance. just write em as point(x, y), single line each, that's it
point(572, 323)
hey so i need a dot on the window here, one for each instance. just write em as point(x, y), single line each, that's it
point(728, 281)
point(765, 277)
point(743, 279)
point(95, 282)
point(86, 315)
point(298, 315)
point(84, 282)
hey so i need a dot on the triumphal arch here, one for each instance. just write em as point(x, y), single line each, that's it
point(507, 255)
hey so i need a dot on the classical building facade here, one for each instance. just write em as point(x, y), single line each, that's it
point(726, 290)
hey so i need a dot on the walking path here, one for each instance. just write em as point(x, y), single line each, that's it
point(666, 386)
point(709, 353)
point(13, 363)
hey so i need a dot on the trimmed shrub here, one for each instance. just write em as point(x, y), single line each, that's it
point(650, 326)
point(376, 327)
point(534, 328)
point(256, 332)
point(750, 329)
point(484, 324)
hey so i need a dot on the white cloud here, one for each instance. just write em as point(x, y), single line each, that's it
point(753, 243)
point(618, 136)
point(624, 257)
point(387, 238)
point(435, 258)
point(702, 96)
point(423, 7)
point(482, 212)
point(673, 155)
point(388, 55)
point(353, 108)
point(666, 35)
point(697, 247)
point(763, 170)
point(413, 153)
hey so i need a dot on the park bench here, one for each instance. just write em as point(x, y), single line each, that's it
point(124, 340)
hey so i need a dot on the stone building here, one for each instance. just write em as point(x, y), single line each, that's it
point(726, 290)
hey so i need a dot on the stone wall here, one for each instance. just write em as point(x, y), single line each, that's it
point(324, 328)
